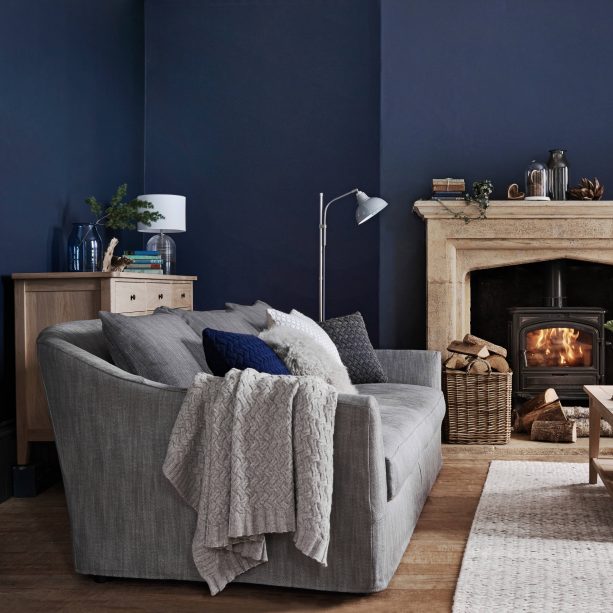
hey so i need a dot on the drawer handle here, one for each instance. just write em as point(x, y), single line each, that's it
point(132, 296)
point(183, 295)
point(161, 296)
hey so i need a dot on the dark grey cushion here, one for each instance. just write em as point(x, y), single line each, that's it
point(410, 416)
point(226, 321)
point(160, 347)
point(350, 336)
point(255, 314)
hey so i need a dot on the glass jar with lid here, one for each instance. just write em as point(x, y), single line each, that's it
point(537, 181)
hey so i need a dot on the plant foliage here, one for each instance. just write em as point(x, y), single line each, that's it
point(479, 199)
point(120, 215)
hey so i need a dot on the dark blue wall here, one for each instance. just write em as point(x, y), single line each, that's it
point(253, 108)
point(71, 125)
point(477, 89)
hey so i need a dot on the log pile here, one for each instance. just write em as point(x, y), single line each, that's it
point(477, 356)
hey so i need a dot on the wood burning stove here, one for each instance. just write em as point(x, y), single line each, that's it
point(555, 345)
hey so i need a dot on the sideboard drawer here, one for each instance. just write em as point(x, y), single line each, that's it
point(159, 294)
point(182, 296)
point(129, 297)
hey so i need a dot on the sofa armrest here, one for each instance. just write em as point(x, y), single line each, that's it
point(417, 367)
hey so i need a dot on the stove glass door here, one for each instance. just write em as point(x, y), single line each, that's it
point(558, 347)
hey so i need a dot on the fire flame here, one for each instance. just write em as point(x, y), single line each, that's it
point(557, 347)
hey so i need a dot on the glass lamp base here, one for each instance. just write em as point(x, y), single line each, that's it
point(168, 251)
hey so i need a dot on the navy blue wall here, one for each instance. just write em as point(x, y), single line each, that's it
point(477, 89)
point(71, 125)
point(254, 107)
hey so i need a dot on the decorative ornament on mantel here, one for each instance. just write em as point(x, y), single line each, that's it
point(513, 192)
point(587, 190)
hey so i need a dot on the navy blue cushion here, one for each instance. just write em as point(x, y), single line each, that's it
point(226, 350)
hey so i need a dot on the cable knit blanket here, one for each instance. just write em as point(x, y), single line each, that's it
point(252, 454)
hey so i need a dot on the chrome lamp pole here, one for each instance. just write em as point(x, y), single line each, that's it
point(367, 208)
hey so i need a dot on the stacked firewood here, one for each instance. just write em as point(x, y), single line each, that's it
point(477, 356)
point(544, 419)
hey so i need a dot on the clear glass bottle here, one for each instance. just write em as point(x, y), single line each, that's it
point(537, 181)
point(84, 248)
point(558, 174)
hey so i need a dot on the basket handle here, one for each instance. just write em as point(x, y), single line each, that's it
point(489, 366)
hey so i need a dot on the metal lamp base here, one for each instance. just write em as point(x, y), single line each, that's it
point(168, 251)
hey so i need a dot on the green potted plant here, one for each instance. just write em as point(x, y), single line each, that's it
point(85, 244)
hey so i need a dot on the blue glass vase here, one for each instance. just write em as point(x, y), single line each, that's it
point(84, 248)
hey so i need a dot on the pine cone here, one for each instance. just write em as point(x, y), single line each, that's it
point(587, 190)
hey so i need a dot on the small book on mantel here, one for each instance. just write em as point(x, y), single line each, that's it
point(448, 195)
point(448, 185)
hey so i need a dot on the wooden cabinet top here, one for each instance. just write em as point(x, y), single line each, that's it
point(100, 275)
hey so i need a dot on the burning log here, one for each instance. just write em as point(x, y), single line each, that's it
point(554, 431)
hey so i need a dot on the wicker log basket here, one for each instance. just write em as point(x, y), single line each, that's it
point(478, 407)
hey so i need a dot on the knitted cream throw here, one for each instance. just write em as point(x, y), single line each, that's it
point(240, 448)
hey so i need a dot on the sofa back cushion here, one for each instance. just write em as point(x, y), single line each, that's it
point(226, 321)
point(160, 347)
point(254, 314)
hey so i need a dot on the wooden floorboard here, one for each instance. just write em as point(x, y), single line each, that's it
point(36, 572)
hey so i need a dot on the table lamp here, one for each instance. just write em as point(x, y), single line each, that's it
point(173, 209)
point(367, 207)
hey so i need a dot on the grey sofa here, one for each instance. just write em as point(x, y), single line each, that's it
point(112, 429)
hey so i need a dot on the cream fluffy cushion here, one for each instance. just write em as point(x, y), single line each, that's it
point(298, 321)
point(303, 355)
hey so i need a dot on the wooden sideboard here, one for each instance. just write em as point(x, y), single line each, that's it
point(44, 299)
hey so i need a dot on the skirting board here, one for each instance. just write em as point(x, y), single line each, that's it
point(8, 457)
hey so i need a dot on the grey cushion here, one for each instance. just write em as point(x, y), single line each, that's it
point(350, 336)
point(226, 321)
point(410, 416)
point(160, 347)
point(254, 314)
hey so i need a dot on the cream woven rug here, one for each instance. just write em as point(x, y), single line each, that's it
point(541, 541)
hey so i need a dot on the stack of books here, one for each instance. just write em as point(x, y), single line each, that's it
point(149, 262)
point(448, 189)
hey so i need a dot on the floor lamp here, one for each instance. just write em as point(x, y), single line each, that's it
point(367, 208)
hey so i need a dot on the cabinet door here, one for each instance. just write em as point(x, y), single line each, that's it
point(182, 295)
point(130, 297)
point(159, 294)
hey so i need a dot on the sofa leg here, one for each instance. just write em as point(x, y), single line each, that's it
point(101, 578)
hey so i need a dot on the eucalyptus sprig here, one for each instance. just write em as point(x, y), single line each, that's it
point(480, 198)
point(120, 215)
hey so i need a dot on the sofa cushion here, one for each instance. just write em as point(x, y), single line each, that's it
point(227, 321)
point(350, 336)
point(227, 350)
point(410, 416)
point(160, 347)
point(304, 324)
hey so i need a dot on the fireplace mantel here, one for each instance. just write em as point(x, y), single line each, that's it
point(514, 232)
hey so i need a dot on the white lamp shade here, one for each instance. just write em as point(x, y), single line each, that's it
point(368, 207)
point(173, 209)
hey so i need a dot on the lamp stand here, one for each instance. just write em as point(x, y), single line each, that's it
point(323, 227)
point(168, 251)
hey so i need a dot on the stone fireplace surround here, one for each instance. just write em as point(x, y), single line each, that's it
point(514, 232)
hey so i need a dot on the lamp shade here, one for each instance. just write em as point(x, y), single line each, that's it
point(368, 207)
point(171, 207)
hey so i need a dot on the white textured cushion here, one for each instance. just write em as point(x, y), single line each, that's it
point(298, 321)
point(304, 355)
